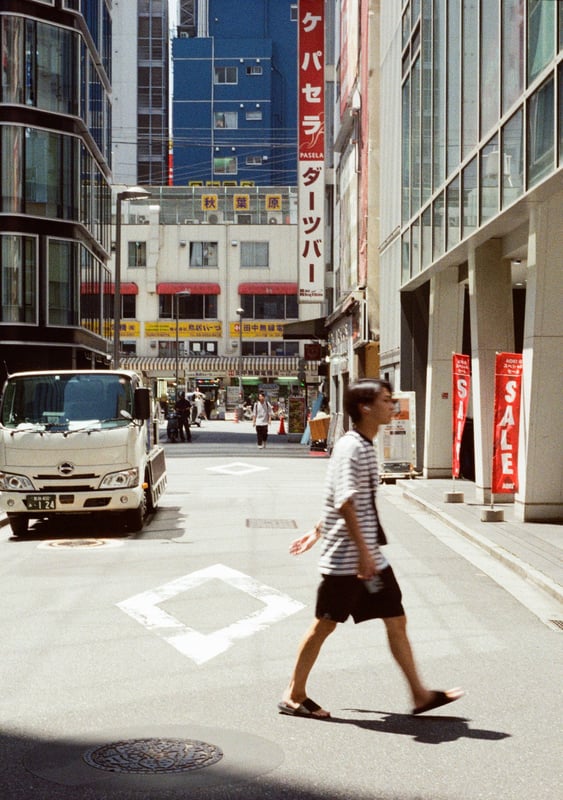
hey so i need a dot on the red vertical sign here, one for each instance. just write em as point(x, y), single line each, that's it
point(461, 369)
point(508, 381)
point(311, 139)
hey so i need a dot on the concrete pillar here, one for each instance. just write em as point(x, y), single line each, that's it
point(540, 460)
point(492, 331)
point(445, 330)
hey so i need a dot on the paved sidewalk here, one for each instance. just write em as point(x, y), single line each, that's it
point(533, 550)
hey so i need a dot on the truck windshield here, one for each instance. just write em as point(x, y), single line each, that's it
point(66, 402)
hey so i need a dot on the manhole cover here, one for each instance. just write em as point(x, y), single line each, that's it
point(142, 756)
point(271, 523)
point(70, 544)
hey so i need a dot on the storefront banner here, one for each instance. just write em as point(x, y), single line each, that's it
point(508, 385)
point(311, 146)
point(461, 370)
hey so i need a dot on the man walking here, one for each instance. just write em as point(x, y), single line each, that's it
point(183, 409)
point(357, 579)
point(261, 416)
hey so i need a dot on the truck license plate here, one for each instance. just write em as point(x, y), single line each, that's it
point(40, 502)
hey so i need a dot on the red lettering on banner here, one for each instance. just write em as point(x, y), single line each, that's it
point(461, 381)
point(508, 376)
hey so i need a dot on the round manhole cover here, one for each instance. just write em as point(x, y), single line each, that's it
point(71, 544)
point(142, 756)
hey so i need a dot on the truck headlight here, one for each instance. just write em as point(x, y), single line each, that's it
point(15, 483)
point(125, 479)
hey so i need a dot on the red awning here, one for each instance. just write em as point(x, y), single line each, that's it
point(193, 288)
point(267, 288)
point(109, 288)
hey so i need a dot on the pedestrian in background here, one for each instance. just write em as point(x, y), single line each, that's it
point(199, 404)
point(182, 409)
point(261, 416)
point(357, 579)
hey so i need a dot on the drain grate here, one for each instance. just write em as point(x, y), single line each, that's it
point(148, 756)
point(557, 623)
point(271, 523)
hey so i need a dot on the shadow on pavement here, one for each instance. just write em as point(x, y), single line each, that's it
point(427, 729)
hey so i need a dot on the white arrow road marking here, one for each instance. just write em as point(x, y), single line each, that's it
point(237, 468)
point(198, 646)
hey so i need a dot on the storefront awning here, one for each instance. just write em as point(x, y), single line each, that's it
point(192, 288)
point(305, 329)
point(227, 366)
point(267, 288)
point(109, 288)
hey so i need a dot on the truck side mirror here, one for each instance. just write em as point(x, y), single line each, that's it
point(142, 404)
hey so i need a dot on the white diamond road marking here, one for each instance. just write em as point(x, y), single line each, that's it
point(198, 646)
point(237, 468)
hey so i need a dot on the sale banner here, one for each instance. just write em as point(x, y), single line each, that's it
point(461, 370)
point(508, 387)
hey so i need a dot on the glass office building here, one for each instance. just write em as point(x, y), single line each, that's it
point(471, 231)
point(55, 207)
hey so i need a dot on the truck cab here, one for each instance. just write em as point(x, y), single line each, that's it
point(75, 442)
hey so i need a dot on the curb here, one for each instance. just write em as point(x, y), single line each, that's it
point(511, 561)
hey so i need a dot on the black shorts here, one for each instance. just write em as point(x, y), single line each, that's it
point(340, 596)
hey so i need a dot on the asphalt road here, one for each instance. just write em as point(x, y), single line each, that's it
point(178, 642)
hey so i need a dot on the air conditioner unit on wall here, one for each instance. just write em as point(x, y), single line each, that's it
point(215, 217)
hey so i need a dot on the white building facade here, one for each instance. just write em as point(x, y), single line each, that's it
point(208, 281)
point(471, 225)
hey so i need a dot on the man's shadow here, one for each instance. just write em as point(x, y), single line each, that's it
point(426, 729)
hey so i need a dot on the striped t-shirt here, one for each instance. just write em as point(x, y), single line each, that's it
point(352, 473)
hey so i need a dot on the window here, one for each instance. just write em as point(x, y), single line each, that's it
point(267, 348)
point(203, 254)
point(541, 143)
point(490, 185)
point(513, 161)
point(128, 306)
point(128, 348)
point(17, 278)
point(225, 166)
point(62, 291)
point(293, 13)
point(269, 306)
point(541, 39)
point(253, 161)
point(136, 254)
point(192, 306)
point(254, 115)
point(225, 119)
point(254, 70)
point(254, 254)
point(226, 75)
point(187, 347)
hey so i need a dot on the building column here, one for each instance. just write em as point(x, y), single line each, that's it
point(445, 328)
point(540, 495)
point(492, 331)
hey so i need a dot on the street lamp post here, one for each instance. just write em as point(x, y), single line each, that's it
point(240, 312)
point(177, 302)
point(133, 193)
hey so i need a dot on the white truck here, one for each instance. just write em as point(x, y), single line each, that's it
point(76, 442)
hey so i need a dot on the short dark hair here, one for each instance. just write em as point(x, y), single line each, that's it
point(363, 391)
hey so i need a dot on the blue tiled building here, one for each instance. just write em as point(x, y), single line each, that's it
point(235, 95)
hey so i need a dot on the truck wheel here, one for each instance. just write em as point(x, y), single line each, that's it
point(135, 517)
point(18, 524)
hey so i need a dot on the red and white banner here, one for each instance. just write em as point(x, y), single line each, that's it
point(508, 385)
point(311, 138)
point(461, 369)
